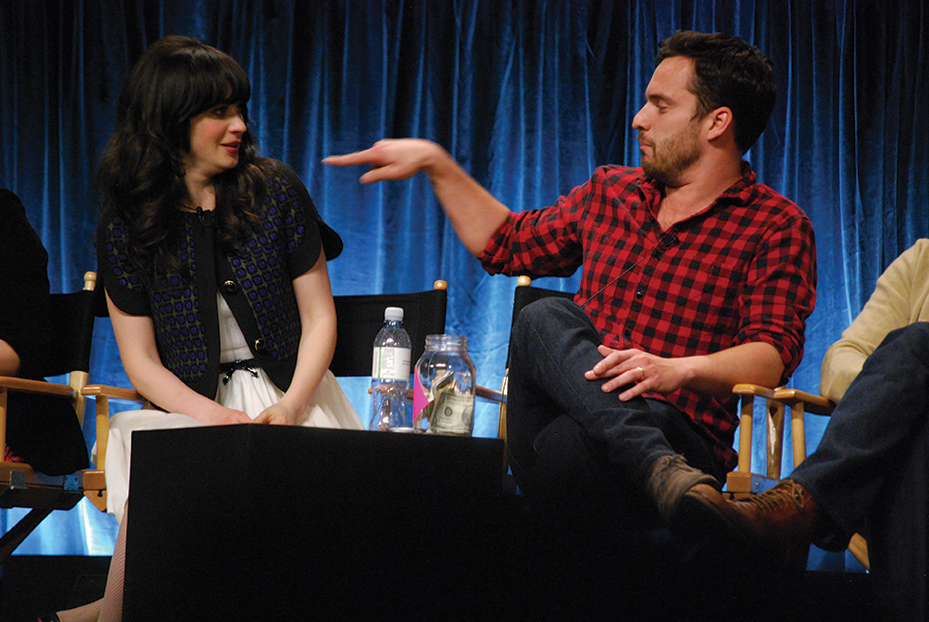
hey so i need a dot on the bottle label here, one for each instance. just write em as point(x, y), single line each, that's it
point(391, 364)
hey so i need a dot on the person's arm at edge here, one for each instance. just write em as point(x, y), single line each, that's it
point(889, 307)
point(9, 359)
point(474, 213)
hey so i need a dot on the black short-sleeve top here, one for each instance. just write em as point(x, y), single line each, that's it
point(255, 280)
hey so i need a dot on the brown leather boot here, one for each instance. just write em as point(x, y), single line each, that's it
point(780, 523)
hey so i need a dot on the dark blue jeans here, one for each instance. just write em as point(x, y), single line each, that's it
point(575, 449)
point(871, 469)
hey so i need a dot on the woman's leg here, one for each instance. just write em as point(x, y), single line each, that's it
point(110, 607)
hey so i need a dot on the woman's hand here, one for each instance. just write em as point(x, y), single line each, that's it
point(220, 415)
point(277, 414)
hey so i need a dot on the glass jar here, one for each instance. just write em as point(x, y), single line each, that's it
point(443, 387)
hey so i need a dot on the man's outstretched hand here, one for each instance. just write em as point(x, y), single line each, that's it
point(391, 159)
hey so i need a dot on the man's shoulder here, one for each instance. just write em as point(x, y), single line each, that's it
point(766, 200)
point(617, 173)
point(617, 180)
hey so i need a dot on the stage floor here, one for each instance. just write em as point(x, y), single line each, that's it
point(31, 585)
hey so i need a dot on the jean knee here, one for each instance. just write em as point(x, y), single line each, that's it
point(914, 337)
point(547, 314)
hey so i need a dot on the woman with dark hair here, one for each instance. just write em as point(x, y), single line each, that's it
point(214, 264)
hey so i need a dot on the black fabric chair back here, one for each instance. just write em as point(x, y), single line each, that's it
point(361, 317)
point(71, 332)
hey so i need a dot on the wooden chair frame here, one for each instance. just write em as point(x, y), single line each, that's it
point(742, 482)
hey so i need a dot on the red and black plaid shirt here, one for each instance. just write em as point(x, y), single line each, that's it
point(743, 270)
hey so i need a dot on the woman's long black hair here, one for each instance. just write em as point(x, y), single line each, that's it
point(141, 174)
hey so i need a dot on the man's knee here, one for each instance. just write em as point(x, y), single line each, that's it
point(552, 314)
point(913, 337)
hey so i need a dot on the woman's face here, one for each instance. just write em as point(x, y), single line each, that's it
point(215, 138)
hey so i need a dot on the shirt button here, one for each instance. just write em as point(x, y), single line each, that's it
point(259, 345)
point(639, 293)
point(231, 287)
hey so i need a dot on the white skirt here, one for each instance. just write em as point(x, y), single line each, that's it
point(330, 408)
point(246, 391)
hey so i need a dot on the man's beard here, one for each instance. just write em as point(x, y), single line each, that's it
point(671, 157)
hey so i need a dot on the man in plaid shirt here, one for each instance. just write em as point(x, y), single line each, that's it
point(695, 278)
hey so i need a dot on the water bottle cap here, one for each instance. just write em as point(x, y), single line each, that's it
point(393, 314)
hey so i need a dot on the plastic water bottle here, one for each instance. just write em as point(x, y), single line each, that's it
point(390, 374)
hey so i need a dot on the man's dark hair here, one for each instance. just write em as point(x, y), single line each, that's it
point(727, 72)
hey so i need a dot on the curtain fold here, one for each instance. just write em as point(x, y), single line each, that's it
point(529, 95)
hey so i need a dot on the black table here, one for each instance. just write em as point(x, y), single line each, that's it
point(279, 523)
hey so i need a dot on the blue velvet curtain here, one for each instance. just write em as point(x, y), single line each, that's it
point(529, 95)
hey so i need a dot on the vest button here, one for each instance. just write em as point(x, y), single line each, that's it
point(231, 287)
point(259, 344)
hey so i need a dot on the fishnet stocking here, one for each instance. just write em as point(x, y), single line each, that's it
point(110, 607)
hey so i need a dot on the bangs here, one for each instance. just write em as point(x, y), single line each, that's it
point(217, 79)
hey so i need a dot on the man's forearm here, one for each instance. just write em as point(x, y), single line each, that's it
point(752, 363)
point(474, 213)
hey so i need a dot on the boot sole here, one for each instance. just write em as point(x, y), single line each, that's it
point(697, 520)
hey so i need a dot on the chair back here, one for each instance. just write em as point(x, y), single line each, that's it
point(359, 318)
point(523, 295)
point(71, 332)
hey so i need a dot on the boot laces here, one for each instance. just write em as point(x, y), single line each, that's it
point(787, 492)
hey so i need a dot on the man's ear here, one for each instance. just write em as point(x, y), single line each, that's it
point(717, 122)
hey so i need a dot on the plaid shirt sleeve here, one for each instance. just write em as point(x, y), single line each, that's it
point(540, 242)
point(780, 291)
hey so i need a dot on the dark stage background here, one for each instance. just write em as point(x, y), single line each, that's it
point(528, 95)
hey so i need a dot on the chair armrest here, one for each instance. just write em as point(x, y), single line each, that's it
point(103, 393)
point(102, 390)
point(753, 390)
point(489, 394)
point(816, 404)
point(35, 386)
